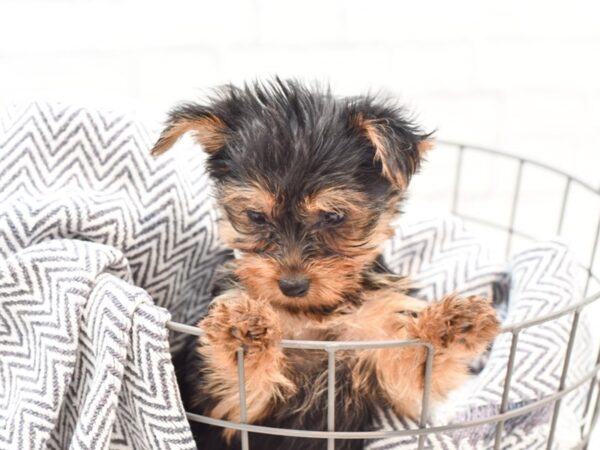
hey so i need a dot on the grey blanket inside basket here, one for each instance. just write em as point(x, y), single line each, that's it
point(100, 245)
point(443, 257)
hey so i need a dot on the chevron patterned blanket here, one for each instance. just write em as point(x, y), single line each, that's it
point(443, 257)
point(100, 246)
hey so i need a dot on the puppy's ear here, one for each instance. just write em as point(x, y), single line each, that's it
point(208, 129)
point(397, 144)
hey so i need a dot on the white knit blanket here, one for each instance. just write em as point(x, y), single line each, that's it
point(100, 245)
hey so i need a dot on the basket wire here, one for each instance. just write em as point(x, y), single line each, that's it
point(592, 404)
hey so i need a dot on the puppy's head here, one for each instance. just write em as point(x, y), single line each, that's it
point(308, 184)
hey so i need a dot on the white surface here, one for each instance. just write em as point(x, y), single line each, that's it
point(523, 76)
point(515, 75)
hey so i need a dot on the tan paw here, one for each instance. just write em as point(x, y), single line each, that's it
point(465, 324)
point(236, 321)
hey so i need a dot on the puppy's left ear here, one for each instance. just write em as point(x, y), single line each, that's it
point(397, 144)
point(208, 129)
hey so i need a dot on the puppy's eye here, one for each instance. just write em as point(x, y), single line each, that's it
point(256, 217)
point(332, 218)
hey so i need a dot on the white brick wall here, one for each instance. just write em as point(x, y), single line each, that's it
point(523, 76)
point(520, 75)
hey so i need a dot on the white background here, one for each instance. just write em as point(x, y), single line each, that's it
point(518, 75)
point(522, 76)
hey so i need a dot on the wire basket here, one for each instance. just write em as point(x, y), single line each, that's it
point(511, 231)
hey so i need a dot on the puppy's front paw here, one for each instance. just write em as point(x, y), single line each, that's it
point(467, 324)
point(241, 322)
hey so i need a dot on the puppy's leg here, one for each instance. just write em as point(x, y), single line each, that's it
point(237, 321)
point(458, 328)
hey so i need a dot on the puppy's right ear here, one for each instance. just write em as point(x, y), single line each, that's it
point(208, 129)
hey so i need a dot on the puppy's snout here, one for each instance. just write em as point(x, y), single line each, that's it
point(294, 286)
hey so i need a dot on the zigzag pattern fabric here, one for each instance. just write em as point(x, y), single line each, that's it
point(101, 245)
point(442, 257)
point(85, 361)
point(86, 216)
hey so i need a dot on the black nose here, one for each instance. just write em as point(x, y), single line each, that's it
point(294, 287)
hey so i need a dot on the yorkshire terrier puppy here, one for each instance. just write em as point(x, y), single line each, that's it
point(308, 184)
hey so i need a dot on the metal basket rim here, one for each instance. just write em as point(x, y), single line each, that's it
point(324, 345)
point(530, 161)
point(498, 419)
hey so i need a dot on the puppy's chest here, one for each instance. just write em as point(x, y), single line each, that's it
point(304, 364)
point(301, 327)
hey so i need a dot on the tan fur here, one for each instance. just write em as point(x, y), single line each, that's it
point(375, 130)
point(457, 327)
point(260, 276)
point(425, 146)
point(335, 199)
point(253, 197)
point(256, 315)
point(355, 207)
point(236, 321)
point(209, 132)
point(235, 202)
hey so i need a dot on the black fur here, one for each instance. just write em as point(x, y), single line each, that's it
point(297, 140)
point(285, 130)
point(306, 410)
